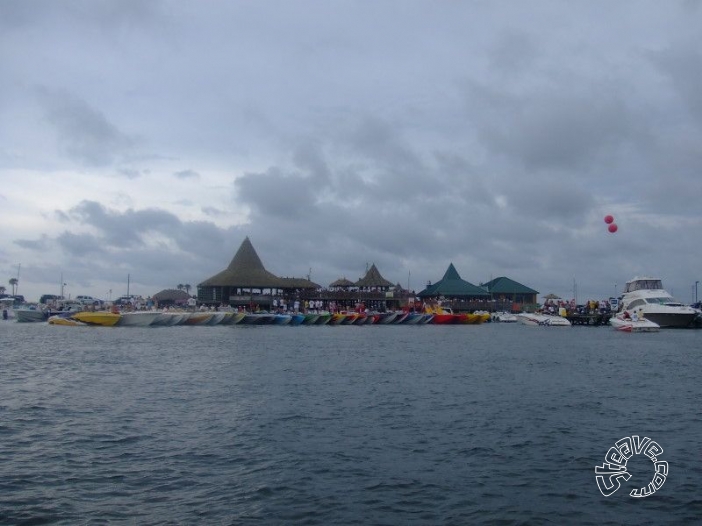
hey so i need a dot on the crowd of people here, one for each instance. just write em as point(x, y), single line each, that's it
point(559, 306)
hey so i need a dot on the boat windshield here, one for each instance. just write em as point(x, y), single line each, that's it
point(643, 284)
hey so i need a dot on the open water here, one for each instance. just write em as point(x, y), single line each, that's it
point(489, 424)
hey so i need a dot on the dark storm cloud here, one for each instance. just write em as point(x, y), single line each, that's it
point(494, 136)
point(118, 245)
point(213, 212)
point(128, 229)
point(129, 173)
point(81, 245)
point(108, 13)
point(554, 128)
point(34, 244)
point(85, 133)
point(203, 239)
point(278, 196)
point(187, 174)
point(125, 229)
point(683, 67)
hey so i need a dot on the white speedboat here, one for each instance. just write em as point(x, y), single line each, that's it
point(646, 295)
point(7, 308)
point(138, 318)
point(31, 314)
point(504, 317)
point(542, 320)
point(632, 322)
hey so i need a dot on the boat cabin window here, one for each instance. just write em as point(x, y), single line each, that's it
point(636, 303)
point(664, 300)
point(660, 300)
point(644, 284)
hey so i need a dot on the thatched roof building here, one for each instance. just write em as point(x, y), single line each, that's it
point(373, 279)
point(342, 283)
point(244, 271)
point(171, 296)
point(246, 280)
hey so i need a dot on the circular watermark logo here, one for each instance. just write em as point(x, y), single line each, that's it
point(614, 468)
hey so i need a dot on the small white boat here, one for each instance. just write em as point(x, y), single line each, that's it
point(7, 307)
point(217, 318)
point(413, 318)
point(504, 317)
point(542, 320)
point(198, 318)
point(138, 318)
point(631, 322)
point(31, 314)
point(232, 317)
point(387, 318)
point(282, 319)
point(169, 318)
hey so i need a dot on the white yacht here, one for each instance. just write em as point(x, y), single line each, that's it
point(647, 297)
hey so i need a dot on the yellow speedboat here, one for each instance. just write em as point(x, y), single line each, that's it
point(474, 318)
point(101, 318)
point(60, 320)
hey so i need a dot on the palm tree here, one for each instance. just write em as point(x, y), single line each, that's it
point(187, 288)
point(14, 282)
point(180, 286)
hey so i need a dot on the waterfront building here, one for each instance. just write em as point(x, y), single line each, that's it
point(503, 289)
point(170, 297)
point(247, 283)
point(496, 295)
point(453, 287)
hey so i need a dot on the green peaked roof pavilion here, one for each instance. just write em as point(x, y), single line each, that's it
point(503, 285)
point(452, 285)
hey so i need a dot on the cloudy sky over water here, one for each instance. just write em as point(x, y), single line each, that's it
point(148, 139)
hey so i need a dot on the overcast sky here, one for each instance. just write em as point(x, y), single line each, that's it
point(149, 138)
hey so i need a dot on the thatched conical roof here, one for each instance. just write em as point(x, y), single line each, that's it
point(373, 279)
point(342, 283)
point(245, 270)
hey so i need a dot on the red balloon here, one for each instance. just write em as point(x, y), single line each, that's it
point(609, 219)
point(613, 228)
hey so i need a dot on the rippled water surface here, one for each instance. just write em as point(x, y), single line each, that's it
point(500, 424)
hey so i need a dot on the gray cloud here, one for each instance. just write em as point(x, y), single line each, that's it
point(187, 174)
point(461, 134)
point(83, 132)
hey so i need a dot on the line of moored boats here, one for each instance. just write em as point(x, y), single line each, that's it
point(152, 318)
point(643, 307)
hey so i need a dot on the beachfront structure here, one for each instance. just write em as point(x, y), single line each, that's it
point(374, 281)
point(169, 297)
point(504, 289)
point(451, 286)
point(342, 284)
point(246, 282)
